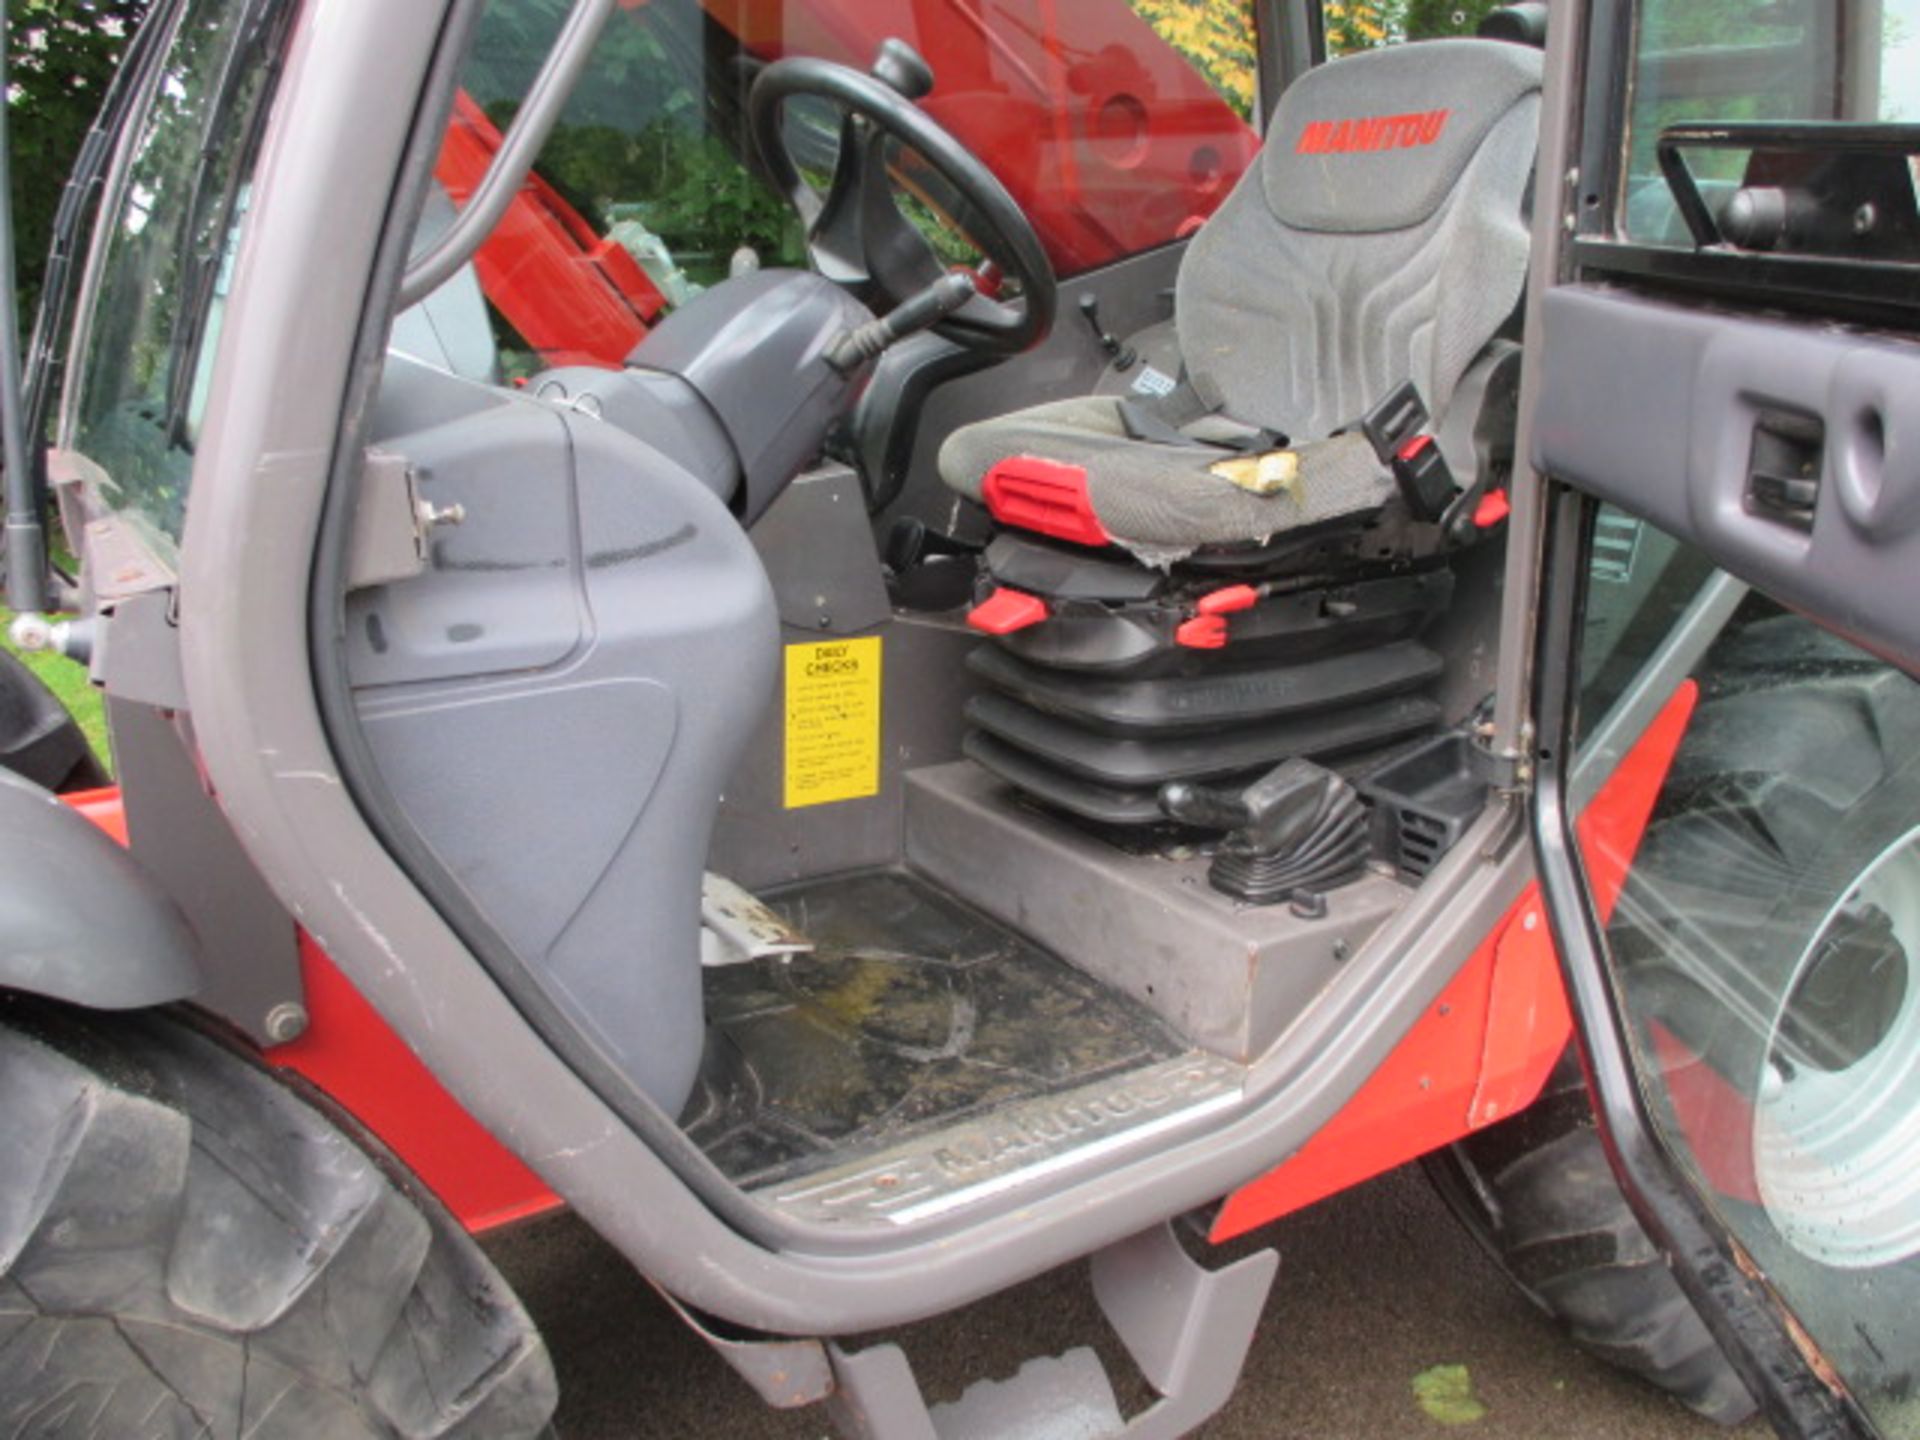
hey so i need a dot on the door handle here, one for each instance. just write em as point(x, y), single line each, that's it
point(1784, 467)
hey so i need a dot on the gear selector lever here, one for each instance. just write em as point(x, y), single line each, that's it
point(1298, 830)
point(1122, 354)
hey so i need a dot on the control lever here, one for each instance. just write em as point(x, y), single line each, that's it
point(916, 313)
point(1123, 355)
point(1297, 831)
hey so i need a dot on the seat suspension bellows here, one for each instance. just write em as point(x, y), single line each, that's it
point(1094, 704)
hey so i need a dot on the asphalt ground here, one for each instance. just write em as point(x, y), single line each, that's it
point(1376, 1287)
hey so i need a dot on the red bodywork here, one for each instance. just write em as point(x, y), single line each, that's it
point(355, 1056)
point(576, 297)
point(1111, 141)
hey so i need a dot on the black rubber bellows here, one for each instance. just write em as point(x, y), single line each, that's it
point(1299, 830)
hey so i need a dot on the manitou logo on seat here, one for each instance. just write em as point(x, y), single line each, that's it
point(1372, 132)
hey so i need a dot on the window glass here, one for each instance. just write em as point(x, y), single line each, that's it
point(1640, 582)
point(1757, 60)
point(1352, 25)
point(1767, 941)
point(1118, 125)
point(145, 341)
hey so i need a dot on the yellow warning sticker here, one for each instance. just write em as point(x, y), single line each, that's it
point(833, 721)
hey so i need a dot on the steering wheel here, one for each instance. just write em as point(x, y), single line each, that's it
point(857, 235)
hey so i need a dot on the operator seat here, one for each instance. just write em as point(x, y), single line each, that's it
point(1379, 238)
point(1230, 569)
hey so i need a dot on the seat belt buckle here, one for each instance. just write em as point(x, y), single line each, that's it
point(1398, 428)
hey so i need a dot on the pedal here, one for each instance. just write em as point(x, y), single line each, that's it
point(736, 929)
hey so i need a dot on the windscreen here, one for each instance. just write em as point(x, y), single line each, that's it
point(1117, 125)
point(162, 254)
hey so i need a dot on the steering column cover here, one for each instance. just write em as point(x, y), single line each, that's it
point(754, 349)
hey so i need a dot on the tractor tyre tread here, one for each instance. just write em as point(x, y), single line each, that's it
point(189, 1248)
point(1539, 1196)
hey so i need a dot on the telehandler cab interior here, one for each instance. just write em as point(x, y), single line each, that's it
point(892, 646)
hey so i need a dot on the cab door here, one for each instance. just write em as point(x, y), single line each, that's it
point(1724, 405)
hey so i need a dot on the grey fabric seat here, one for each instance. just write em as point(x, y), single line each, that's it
point(1380, 237)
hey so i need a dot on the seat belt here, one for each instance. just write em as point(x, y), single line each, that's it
point(1143, 424)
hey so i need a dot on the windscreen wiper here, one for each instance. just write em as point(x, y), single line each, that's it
point(246, 77)
point(46, 358)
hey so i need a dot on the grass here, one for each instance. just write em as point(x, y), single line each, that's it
point(68, 681)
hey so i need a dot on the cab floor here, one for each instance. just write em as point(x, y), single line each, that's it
point(913, 1013)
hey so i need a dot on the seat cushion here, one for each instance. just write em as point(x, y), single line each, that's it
point(1159, 500)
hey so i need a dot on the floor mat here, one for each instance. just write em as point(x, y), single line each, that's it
point(912, 1013)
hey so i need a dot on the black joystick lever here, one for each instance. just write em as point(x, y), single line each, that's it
point(917, 312)
point(1298, 830)
point(899, 66)
point(1123, 355)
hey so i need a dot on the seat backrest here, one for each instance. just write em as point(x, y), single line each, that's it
point(1381, 237)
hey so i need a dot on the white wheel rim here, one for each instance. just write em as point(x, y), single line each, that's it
point(1837, 1152)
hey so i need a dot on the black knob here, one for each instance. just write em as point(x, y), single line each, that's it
point(899, 65)
point(1756, 217)
point(1122, 355)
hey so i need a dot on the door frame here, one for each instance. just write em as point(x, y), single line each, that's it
point(1797, 1389)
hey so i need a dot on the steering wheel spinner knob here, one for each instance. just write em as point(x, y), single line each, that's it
point(900, 67)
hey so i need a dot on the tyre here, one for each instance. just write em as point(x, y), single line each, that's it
point(38, 738)
point(1763, 936)
point(188, 1248)
point(1536, 1191)
point(1768, 940)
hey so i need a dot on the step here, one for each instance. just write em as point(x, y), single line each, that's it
point(1186, 1327)
point(1011, 1145)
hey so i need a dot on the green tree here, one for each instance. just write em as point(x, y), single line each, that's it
point(1367, 24)
point(1359, 24)
point(1438, 19)
point(1216, 37)
point(60, 56)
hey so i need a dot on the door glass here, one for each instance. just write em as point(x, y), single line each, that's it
point(1748, 60)
point(1118, 126)
point(1766, 943)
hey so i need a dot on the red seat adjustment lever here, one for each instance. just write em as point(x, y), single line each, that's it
point(1207, 630)
point(1006, 611)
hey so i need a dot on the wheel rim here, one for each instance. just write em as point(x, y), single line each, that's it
point(1837, 1121)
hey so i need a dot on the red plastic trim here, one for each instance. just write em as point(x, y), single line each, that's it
point(1413, 445)
point(103, 808)
point(1043, 496)
point(1228, 601)
point(1484, 1049)
point(1006, 611)
point(1492, 509)
point(1207, 630)
point(1203, 632)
